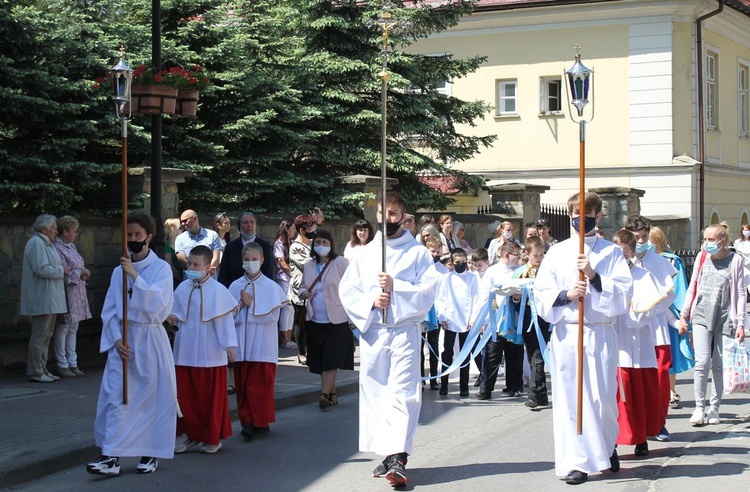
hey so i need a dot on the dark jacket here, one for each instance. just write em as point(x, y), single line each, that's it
point(231, 261)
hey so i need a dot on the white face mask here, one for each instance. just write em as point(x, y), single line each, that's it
point(251, 267)
point(322, 251)
point(746, 234)
point(507, 235)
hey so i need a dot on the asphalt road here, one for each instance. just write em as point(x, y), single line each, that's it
point(461, 444)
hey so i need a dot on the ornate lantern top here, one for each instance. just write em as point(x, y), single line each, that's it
point(579, 80)
point(122, 78)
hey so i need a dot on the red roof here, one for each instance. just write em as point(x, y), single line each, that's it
point(443, 184)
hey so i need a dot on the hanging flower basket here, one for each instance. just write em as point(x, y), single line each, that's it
point(187, 102)
point(153, 99)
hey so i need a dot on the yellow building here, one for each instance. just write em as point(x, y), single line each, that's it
point(646, 129)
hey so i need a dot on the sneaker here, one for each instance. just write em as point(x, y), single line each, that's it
point(50, 375)
point(147, 465)
point(713, 416)
point(64, 372)
point(697, 418)
point(77, 371)
point(381, 469)
point(396, 474)
point(183, 443)
point(663, 435)
point(674, 400)
point(41, 379)
point(247, 431)
point(105, 465)
point(289, 345)
point(210, 448)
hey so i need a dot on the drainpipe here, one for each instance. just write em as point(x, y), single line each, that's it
point(701, 115)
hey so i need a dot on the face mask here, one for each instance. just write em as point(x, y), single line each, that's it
point(746, 234)
point(307, 234)
point(391, 228)
point(459, 267)
point(251, 267)
point(136, 246)
point(589, 223)
point(435, 259)
point(246, 236)
point(322, 251)
point(507, 235)
point(194, 274)
point(642, 248)
point(711, 248)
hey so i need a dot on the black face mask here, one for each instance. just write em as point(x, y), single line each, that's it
point(136, 246)
point(308, 234)
point(391, 228)
point(459, 267)
point(435, 259)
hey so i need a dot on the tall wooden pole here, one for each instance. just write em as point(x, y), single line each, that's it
point(124, 186)
point(581, 277)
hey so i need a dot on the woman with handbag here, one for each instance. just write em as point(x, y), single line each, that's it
point(715, 304)
point(330, 343)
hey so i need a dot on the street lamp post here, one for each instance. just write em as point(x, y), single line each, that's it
point(122, 77)
point(580, 81)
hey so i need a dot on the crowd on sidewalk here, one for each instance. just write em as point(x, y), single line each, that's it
point(209, 321)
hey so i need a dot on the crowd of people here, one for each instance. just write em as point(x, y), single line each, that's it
point(232, 304)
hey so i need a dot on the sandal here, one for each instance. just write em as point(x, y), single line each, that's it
point(324, 401)
point(332, 398)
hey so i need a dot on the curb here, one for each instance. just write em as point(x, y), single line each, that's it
point(77, 457)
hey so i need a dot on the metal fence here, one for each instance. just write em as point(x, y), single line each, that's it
point(688, 259)
point(559, 221)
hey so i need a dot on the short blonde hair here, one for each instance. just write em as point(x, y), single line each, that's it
point(170, 225)
point(720, 231)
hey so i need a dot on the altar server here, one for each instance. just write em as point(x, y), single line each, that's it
point(390, 395)
point(206, 338)
point(259, 301)
point(145, 426)
point(606, 292)
point(637, 401)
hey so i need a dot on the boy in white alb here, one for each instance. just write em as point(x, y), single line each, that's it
point(606, 293)
point(205, 340)
point(259, 302)
point(390, 395)
point(457, 303)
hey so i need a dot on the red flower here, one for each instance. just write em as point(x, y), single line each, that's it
point(158, 78)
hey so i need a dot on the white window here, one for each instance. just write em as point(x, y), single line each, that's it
point(507, 103)
point(549, 95)
point(712, 85)
point(743, 85)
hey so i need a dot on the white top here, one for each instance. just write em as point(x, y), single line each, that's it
point(493, 278)
point(635, 336)
point(664, 273)
point(206, 327)
point(458, 300)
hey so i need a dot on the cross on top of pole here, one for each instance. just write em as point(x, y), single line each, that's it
point(388, 23)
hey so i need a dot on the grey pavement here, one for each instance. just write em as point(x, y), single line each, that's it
point(45, 428)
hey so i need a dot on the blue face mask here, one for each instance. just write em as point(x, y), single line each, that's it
point(642, 248)
point(589, 223)
point(193, 274)
point(711, 248)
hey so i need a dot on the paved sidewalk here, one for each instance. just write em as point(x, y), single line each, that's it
point(47, 428)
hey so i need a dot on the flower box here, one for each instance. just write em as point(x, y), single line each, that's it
point(153, 99)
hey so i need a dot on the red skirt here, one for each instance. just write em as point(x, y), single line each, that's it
point(663, 363)
point(640, 414)
point(202, 395)
point(254, 383)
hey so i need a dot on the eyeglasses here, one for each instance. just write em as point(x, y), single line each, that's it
point(185, 221)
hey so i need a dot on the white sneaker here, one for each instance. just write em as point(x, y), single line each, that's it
point(289, 345)
point(698, 418)
point(105, 465)
point(147, 465)
point(210, 448)
point(183, 443)
point(713, 416)
point(41, 379)
point(50, 375)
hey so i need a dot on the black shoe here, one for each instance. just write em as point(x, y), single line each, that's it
point(147, 465)
point(479, 380)
point(484, 396)
point(531, 403)
point(641, 449)
point(247, 431)
point(507, 390)
point(443, 391)
point(464, 393)
point(396, 474)
point(614, 462)
point(576, 477)
point(381, 469)
point(261, 430)
point(434, 386)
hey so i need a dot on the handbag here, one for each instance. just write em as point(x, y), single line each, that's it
point(736, 358)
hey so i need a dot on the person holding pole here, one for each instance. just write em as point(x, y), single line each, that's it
point(388, 308)
point(606, 292)
point(144, 426)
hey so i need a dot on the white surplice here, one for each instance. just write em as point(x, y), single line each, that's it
point(589, 452)
point(664, 273)
point(205, 322)
point(256, 326)
point(458, 300)
point(390, 395)
point(635, 337)
point(145, 426)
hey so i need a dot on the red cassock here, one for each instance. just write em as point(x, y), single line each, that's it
point(254, 383)
point(641, 417)
point(663, 393)
point(202, 393)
